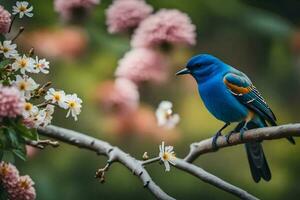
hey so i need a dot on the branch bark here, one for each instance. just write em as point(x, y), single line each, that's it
point(114, 154)
point(212, 179)
point(268, 133)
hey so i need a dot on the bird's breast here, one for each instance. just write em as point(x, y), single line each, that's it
point(220, 102)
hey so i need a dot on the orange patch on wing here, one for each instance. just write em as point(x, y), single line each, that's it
point(236, 89)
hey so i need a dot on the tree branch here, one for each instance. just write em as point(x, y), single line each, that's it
point(114, 154)
point(213, 180)
point(268, 133)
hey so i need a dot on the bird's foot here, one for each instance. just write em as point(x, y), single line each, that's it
point(228, 136)
point(242, 131)
point(214, 141)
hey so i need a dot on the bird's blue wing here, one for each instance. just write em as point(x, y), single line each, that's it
point(246, 93)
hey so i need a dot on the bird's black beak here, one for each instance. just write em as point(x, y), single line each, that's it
point(183, 71)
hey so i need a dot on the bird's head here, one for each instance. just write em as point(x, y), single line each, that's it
point(202, 66)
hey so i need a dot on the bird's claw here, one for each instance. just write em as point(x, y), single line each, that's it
point(242, 131)
point(214, 141)
point(228, 136)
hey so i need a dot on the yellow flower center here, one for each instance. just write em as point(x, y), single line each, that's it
point(4, 169)
point(28, 106)
point(22, 9)
point(72, 104)
point(168, 156)
point(38, 65)
point(22, 86)
point(24, 184)
point(56, 96)
point(23, 63)
point(5, 49)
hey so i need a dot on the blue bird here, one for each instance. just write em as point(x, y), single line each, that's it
point(230, 96)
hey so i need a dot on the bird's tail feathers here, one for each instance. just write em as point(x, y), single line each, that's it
point(258, 164)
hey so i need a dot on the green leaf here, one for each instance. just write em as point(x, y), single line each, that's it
point(24, 131)
point(8, 157)
point(3, 193)
point(2, 37)
point(4, 63)
point(1, 154)
point(12, 136)
point(21, 153)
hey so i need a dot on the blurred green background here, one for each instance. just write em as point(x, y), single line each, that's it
point(260, 38)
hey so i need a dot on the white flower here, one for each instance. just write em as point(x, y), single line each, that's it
point(22, 8)
point(8, 49)
point(33, 117)
point(58, 97)
point(74, 105)
point(40, 65)
point(26, 85)
point(29, 109)
point(24, 64)
point(37, 118)
point(166, 155)
point(165, 116)
point(49, 110)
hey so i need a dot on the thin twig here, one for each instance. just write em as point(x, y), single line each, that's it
point(41, 144)
point(100, 174)
point(12, 21)
point(149, 161)
point(21, 29)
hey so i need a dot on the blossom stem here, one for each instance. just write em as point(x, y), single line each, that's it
point(45, 103)
point(12, 21)
point(21, 29)
point(149, 161)
point(41, 144)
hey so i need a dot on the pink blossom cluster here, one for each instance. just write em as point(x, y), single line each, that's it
point(66, 43)
point(145, 62)
point(119, 96)
point(165, 26)
point(5, 20)
point(17, 187)
point(11, 102)
point(142, 64)
point(68, 8)
point(123, 15)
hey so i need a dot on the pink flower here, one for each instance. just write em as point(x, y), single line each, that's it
point(69, 8)
point(11, 102)
point(125, 14)
point(141, 65)
point(4, 20)
point(24, 189)
point(9, 175)
point(120, 97)
point(66, 43)
point(166, 26)
point(17, 187)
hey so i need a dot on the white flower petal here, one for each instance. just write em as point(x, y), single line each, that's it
point(167, 165)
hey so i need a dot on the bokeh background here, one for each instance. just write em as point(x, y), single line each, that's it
point(261, 38)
